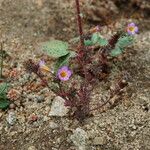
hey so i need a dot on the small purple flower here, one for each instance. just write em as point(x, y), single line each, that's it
point(97, 28)
point(132, 29)
point(41, 63)
point(64, 73)
point(43, 66)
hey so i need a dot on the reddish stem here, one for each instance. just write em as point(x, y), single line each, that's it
point(79, 22)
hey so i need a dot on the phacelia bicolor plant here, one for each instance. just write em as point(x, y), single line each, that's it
point(86, 61)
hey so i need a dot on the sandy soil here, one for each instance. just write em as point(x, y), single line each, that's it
point(23, 25)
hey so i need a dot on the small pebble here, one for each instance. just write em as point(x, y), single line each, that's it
point(11, 118)
point(53, 125)
point(12, 106)
point(33, 118)
point(39, 99)
point(99, 141)
point(32, 148)
point(58, 108)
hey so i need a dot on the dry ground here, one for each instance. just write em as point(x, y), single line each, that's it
point(24, 24)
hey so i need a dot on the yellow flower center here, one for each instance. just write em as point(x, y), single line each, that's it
point(131, 29)
point(63, 74)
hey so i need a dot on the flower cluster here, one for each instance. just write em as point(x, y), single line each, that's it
point(63, 73)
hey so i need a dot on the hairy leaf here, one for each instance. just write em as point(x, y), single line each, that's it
point(55, 48)
point(102, 42)
point(88, 43)
point(122, 43)
point(3, 87)
point(116, 51)
point(4, 102)
point(95, 38)
point(64, 60)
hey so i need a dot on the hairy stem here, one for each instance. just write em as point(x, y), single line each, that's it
point(79, 22)
point(84, 97)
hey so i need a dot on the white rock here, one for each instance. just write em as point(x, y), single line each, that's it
point(79, 138)
point(53, 125)
point(32, 148)
point(99, 141)
point(11, 118)
point(58, 108)
point(45, 118)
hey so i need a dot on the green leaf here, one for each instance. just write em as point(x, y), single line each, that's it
point(102, 42)
point(88, 43)
point(72, 54)
point(95, 38)
point(55, 48)
point(124, 41)
point(3, 87)
point(115, 52)
point(64, 60)
point(4, 103)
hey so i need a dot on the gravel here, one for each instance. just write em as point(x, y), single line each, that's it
point(25, 24)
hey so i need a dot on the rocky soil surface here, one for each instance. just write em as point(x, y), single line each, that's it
point(30, 123)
